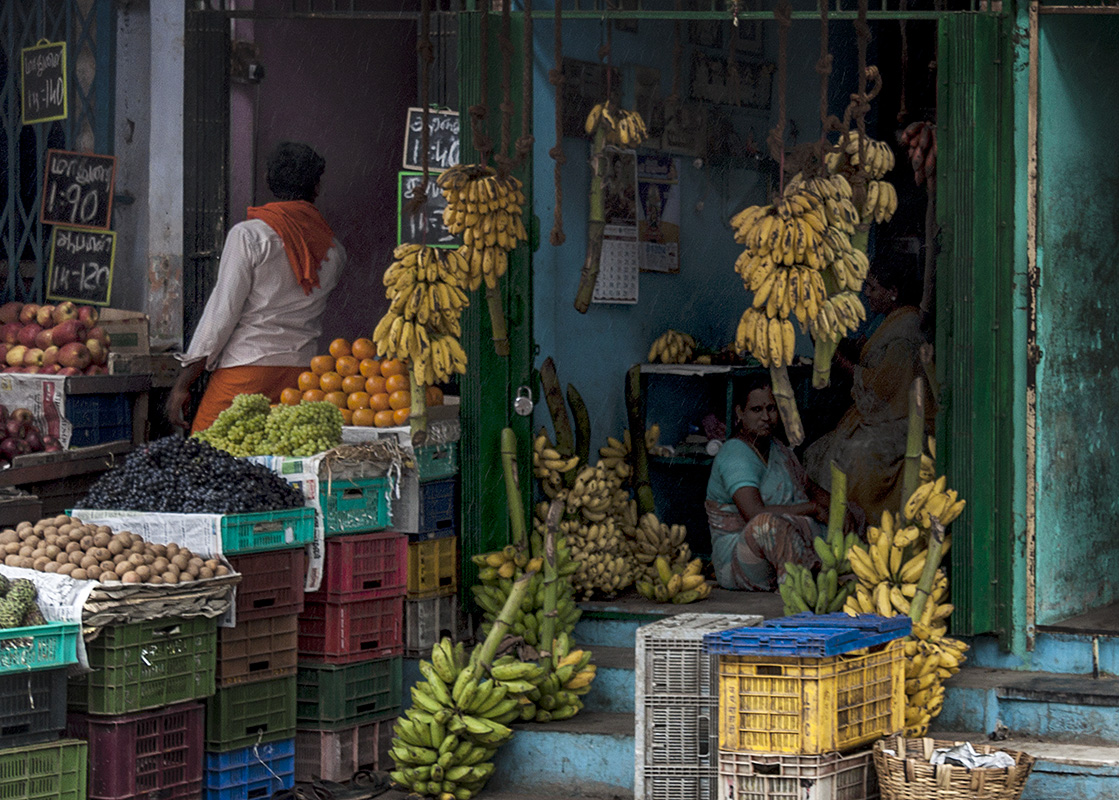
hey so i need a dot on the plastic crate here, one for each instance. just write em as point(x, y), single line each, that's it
point(32, 706)
point(809, 635)
point(250, 773)
point(676, 783)
point(354, 504)
point(267, 530)
point(251, 713)
point(335, 755)
point(427, 621)
point(811, 705)
point(341, 633)
point(271, 583)
point(258, 650)
point(766, 776)
point(147, 665)
point(433, 567)
point(99, 418)
point(424, 508)
point(363, 567)
point(437, 461)
point(51, 771)
point(152, 754)
point(54, 644)
point(670, 658)
point(329, 696)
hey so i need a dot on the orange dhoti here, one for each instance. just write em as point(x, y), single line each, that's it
point(228, 382)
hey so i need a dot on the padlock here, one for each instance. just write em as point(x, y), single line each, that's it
point(523, 404)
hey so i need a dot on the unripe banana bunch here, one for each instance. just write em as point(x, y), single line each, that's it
point(826, 592)
point(487, 209)
point(839, 315)
point(570, 675)
point(686, 585)
point(623, 128)
point(672, 347)
point(932, 500)
point(854, 151)
point(548, 464)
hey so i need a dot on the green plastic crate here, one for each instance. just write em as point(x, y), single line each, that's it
point(354, 504)
point(330, 696)
point(252, 713)
point(147, 665)
point(51, 771)
point(437, 461)
point(54, 644)
point(267, 530)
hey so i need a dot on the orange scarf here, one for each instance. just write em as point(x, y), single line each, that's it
point(305, 234)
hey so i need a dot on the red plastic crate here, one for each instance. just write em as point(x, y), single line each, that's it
point(151, 754)
point(341, 633)
point(258, 650)
point(271, 583)
point(363, 566)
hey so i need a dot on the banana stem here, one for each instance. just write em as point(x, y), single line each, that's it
point(512, 487)
point(417, 412)
point(837, 512)
point(497, 321)
point(561, 423)
point(787, 404)
point(914, 440)
point(646, 503)
point(484, 655)
point(821, 362)
point(596, 227)
point(551, 581)
point(928, 574)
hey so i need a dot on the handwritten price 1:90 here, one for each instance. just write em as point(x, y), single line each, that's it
point(83, 206)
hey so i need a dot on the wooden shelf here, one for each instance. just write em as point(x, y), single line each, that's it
point(42, 467)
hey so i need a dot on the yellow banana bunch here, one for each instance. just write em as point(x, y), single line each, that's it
point(853, 153)
point(601, 550)
point(548, 464)
point(653, 538)
point(623, 128)
point(881, 201)
point(933, 500)
point(672, 347)
point(675, 585)
point(487, 209)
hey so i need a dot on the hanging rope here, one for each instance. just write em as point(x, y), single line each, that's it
point(555, 77)
point(733, 80)
point(862, 34)
point(526, 140)
point(482, 141)
point(903, 112)
point(505, 44)
point(427, 55)
point(783, 13)
point(829, 123)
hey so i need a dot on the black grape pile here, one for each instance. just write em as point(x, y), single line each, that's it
point(188, 476)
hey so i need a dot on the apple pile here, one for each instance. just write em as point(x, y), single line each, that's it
point(19, 436)
point(52, 340)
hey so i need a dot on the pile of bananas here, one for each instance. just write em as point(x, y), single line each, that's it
point(556, 696)
point(422, 325)
point(669, 586)
point(444, 744)
point(623, 128)
point(826, 592)
point(672, 347)
point(654, 539)
point(602, 552)
point(487, 210)
point(495, 580)
point(881, 198)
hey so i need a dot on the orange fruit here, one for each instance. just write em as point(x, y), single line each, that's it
point(379, 402)
point(400, 399)
point(290, 397)
point(369, 367)
point(433, 396)
point(375, 384)
point(357, 400)
point(346, 365)
point(313, 395)
point(400, 416)
point(393, 366)
point(362, 417)
point(363, 348)
point(337, 398)
point(321, 364)
point(339, 348)
point(394, 383)
point(308, 380)
point(330, 381)
point(383, 419)
point(353, 383)
point(347, 416)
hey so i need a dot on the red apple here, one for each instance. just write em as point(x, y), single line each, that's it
point(74, 354)
point(45, 316)
point(69, 371)
point(33, 357)
point(65, 311)
point(16, 429)
point(9, 312)
point(15, 355)
point(88, 315)
point(66, 332)
point(28, 333)
point(100, 334)
point(24, 415)
point(9, 332)
point(28, 313)
point(32, 369)
point(50, 355)
point(97, 351)
point(49, 369)
point(4, 352)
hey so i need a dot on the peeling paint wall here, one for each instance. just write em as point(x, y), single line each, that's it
point(1078, 317)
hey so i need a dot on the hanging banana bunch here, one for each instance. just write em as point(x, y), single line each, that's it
point(623, 128)
point(426, 298)
point(672, 347)
point(874, 159)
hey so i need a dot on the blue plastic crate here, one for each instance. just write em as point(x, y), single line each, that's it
point(99, 418)
point(250, 773)
point(797, 640)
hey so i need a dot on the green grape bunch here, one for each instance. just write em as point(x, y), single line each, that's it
point(252, 427)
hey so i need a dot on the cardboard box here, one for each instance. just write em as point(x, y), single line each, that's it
point(128, 331)
point(163, 367)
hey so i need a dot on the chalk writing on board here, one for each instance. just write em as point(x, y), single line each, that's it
point(426, 225)
point(81, 265)
point(78, 189)
point(443, 140)
point(44, 82)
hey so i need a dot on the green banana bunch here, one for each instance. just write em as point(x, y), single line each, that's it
point(570, 673)
point(826, 591)
point(675, 585)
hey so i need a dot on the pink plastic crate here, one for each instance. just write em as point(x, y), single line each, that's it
point(363, 566)
point(341, 633)
point(271, 583)
point(336, 755)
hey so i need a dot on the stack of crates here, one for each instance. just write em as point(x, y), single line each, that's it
point(349, 683)
point(676, 704)
point(801, 701)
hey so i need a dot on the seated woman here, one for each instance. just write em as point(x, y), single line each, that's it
point(763, 510)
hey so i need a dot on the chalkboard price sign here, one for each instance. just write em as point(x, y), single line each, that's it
point(44, 82)
point(426, 225)
point(78, 189)
point(81, 265)
point(442, 141)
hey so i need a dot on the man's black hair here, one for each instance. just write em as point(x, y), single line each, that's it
point(294, 170)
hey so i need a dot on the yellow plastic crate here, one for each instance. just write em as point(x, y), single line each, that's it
point(811, 705)
point(433, 567)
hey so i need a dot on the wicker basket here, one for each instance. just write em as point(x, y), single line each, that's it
point(913, 778)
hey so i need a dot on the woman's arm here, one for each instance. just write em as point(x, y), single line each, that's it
point(748, 500)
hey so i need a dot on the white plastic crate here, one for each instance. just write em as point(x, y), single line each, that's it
point(336, 755)
point(777, 776)
point(427, 621)
point(676, 705)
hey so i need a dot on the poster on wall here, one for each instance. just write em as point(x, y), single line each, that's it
point(658, 213)
point(618, 266)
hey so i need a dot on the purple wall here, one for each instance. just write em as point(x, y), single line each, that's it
point(344, 88)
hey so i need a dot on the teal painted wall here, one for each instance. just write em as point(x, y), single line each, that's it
point(1078, 319)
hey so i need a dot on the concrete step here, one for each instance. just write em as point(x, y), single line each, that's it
point(613, 688)
point(1062, 650)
